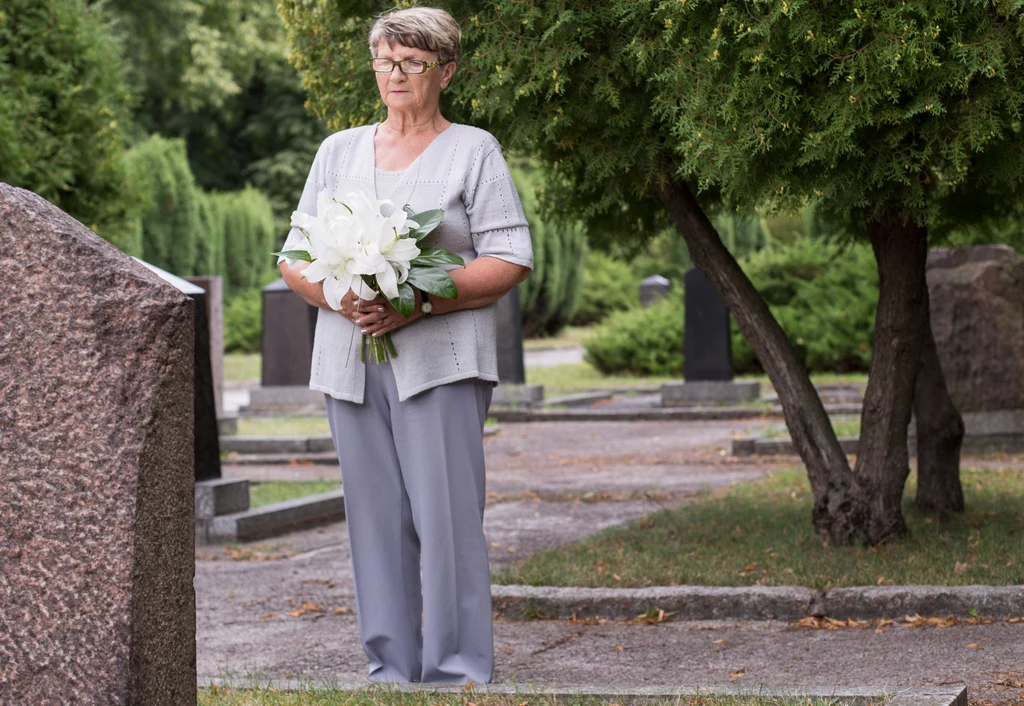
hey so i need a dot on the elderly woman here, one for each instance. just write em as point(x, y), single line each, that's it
point(409, 433)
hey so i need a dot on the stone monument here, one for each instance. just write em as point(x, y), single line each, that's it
point(213, 285)
point(512, 390)
point(205, 433)
point(977, 315)
point(654, 288)
point(289, 324)
point(96, 529)
point(707, 350)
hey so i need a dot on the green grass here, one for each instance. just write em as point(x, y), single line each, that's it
point(760, 534)
point(566, 338)
point(283, 426)
point(384, 696)
point(239, 367)
point(574, 377)
point(270, 492)
point(842, 425)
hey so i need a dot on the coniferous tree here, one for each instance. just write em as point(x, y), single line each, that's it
point(171, 221)
point(63, 109)
point(887, 115)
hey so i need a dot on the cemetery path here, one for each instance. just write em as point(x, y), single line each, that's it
point(284, 607)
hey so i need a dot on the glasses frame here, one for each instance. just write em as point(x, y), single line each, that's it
point(427, 65)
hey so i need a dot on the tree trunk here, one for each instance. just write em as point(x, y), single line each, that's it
point(839, 513)
point(940, 433)
point(901, 250)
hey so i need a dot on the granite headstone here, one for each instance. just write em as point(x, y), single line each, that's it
point(205, 432)
point(706, 346)
point(654, 288)
point(96, 526)
point(977, 314)
point(213, 285)
point(289, 324)
point(510, 339)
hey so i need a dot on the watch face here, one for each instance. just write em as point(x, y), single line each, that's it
point(426, 307)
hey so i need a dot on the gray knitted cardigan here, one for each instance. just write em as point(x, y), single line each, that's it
point(463, 172)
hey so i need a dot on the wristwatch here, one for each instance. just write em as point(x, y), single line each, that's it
point(425, 306)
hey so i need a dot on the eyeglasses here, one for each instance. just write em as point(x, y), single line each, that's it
point(406, 66)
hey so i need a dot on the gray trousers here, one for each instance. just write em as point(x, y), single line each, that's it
point(413, 476)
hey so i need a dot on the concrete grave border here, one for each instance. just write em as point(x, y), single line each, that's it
point(787, 603)
point(945, 695)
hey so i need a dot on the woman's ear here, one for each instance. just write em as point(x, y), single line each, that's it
point(449, 71)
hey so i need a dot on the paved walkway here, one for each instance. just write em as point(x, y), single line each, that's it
point(284, 607)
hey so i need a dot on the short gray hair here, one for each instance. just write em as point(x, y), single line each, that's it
point(427, 28)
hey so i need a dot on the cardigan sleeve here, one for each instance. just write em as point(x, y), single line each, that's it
point(496, 218)
point(315, 182)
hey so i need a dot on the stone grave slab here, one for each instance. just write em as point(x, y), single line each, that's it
point(96, 527)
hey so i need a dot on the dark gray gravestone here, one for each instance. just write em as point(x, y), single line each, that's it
point(706, 345)
point(206, 436)
point(289, 324)
point(653, 288)
point(213, 285)
point(510, 339)
point(97, 559)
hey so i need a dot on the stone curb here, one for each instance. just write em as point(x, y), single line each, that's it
point(653, 414)
point(292, 446)
point(787, 603)
point(783, 446)
point(946, 695)
point(315, 449)
point(272, 520)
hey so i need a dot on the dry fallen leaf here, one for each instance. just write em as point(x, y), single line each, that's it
point(973, 645)
point(268, 616)
point(738, 673)
point(343, 610)
point(619, 648)
point(881, 580)
point(960, 567)
point(720, 642)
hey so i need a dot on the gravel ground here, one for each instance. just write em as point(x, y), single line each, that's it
point(284, 607)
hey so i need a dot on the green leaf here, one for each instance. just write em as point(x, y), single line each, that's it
point(433, 280)
point(405, 302)
point(428, 221)
point(295, 255)
point(437, 256)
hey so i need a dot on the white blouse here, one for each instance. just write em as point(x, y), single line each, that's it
point(463, 172)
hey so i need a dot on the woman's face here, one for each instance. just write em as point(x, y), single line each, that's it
point(413, 93)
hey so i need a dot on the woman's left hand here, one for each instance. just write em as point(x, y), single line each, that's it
point(378, 317)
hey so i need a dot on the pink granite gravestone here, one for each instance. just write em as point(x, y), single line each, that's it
point(96, 484)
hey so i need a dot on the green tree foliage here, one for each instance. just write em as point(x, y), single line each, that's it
point(215, 73)
point(171, 220)
point(210, 245)
point(609, 285)
point(63, 107)
point(243, 322)
point(549, 296)
point(249, 238)
point(824, 295)
point(881, 112)
point(642, 341)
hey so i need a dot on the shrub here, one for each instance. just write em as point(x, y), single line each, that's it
point(243, 322)
point(171, 220)
point(210, 242)
point(824, 296)
point(549, 296)
point(249, 238)
point(642, 341)
point(63, 108)
point(609, 285)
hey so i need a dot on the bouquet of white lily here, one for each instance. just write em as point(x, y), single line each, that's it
point(351, 244)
